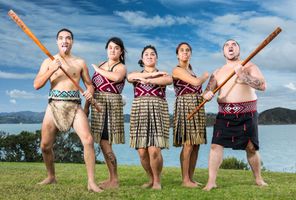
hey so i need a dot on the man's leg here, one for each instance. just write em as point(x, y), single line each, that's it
point(48, 133)
point(215, 160)
point(255, 163)
point(145, 161)
point(82, 129)
point(111, 161)
point(185, 165)
point(156, 163)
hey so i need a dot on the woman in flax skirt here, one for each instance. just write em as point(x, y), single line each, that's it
point(108, 125)
point(188, 133)
point(149, 123)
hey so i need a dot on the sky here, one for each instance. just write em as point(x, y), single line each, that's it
point(205, 25)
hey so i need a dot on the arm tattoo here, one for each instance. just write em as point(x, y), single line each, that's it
point(254, 82)
point(212, 84)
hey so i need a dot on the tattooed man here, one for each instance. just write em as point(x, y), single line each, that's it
point(236, 124)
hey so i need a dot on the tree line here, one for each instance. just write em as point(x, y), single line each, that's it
point(25, 147)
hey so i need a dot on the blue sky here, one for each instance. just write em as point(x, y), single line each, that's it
point(162, 23)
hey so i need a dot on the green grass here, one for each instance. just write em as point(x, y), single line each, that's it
point(18, 181)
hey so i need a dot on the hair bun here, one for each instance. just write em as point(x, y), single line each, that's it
point(140, 62)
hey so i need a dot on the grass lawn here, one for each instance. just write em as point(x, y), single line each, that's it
point(18, 181)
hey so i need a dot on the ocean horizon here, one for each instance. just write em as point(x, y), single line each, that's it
point(276, 143)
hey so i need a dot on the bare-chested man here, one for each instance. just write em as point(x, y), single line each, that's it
point(64, 110)
point(236, 124)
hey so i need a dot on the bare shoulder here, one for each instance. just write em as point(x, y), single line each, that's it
point(120, 66)
point(79, 61)
point(176, 68)
point(217, 71)
point(250, 67)
point(46, 62)
point(177, 71)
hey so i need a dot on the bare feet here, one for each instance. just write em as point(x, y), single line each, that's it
point(47, 181)
point(94, 188)
point(147, 185)
point(209, 187)
point(261, 183)
point(189, 184)
point(156, 186)
point(109, 184)
point(197, 183)
point(103, 183)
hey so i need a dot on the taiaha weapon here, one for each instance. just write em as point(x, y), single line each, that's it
point(23, 26)
point(257, 50)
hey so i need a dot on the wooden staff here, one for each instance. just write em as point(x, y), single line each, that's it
point(23, 26)
point(257, 50)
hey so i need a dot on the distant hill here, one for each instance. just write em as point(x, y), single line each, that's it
point(271, 116)
point(25, 117)
point(278, 116)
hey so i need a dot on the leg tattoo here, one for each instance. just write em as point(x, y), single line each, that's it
point(111, 157)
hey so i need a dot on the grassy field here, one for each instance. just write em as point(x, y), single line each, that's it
point(18, 181)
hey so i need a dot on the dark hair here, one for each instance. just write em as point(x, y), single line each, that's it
point(140, 62)
point(226, 42)
point(178, 47)
point(119, 42)
point(67, 30)
point(230, 40)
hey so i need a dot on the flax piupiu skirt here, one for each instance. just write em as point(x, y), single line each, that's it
point(191, 131)
point(109, 122)
point(149, 123)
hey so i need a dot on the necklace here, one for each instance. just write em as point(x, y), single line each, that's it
point(151, 71)
point(188, 70)
point(110, 66)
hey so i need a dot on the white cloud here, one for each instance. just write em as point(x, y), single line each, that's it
point(197, 2)
point(250, 29)
point(13, 101)
point(21, 94)
point(17, 50)
point(128, 1)
point(170, 88)
point(291, 86)
point(183, 2)
point(285, 8)
point(124, 98)
point(139, 18)
point(92, 30)
point(8, 75)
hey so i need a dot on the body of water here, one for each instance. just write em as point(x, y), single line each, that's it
point(277, 147)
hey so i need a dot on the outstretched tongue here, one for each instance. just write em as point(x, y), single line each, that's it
point(64, 49)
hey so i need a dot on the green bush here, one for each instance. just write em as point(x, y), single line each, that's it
point(233, 163)
point(21, 147)
point(25, 147)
